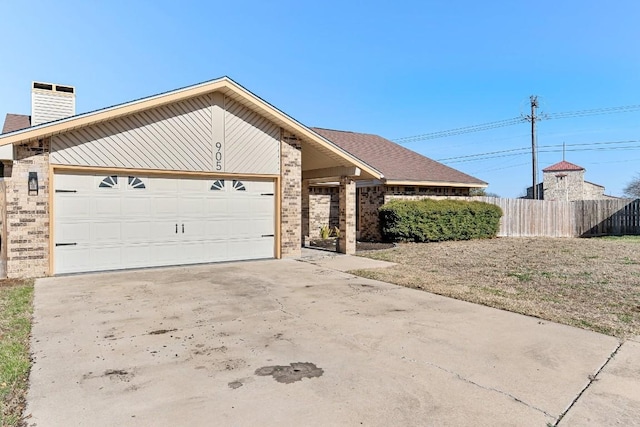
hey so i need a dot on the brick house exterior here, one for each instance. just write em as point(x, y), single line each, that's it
point(214, 134)
point(79, 192)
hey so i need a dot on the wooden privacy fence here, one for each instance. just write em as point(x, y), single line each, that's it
point(607, 217)
point(545, 218)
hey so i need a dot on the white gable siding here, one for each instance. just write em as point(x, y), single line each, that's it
point(252, 142)
point(180, 137)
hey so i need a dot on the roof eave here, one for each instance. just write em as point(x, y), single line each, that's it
point(220, 84)
point(436, 183)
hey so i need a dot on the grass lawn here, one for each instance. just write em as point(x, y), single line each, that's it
point(589, 283)
point(15, 327)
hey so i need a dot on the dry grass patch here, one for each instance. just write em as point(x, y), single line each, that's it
point(590, 283)
point(15, 327)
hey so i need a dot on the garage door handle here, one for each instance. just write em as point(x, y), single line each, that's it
point(66, 244)
point(176, 228)
point(268, 235)
point(66, 191)
point(182, 228)
point(266, 194)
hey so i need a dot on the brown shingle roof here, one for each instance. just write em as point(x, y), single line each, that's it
point(563, 167)
point(394, 161)
point(16, 122)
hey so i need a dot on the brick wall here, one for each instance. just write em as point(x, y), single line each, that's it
point(27, 215)
point(347, 239)
point(291, 196)
point(371, 198)
point(323, 209)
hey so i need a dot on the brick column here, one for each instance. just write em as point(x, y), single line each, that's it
point(347, 240)
point(291, 196)
point(27, 215)
point(306, 212)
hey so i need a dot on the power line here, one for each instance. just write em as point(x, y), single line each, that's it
point(514, 121)
point(460, 131)
point(512, 150)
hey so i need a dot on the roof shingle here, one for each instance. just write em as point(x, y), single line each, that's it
point(394, 161)
point(13, 122)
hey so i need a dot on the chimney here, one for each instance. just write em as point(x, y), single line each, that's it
point(51, 102)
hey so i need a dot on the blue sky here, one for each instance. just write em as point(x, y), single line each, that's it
point(396, 69)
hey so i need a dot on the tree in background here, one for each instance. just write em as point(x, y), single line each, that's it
point(481, 192)
point(633, 188)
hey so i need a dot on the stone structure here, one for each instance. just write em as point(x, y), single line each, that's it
point(564, 181)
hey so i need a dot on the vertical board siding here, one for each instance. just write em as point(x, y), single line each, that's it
point(172, 137)
point(251, 141)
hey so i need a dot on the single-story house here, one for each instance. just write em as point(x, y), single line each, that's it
point(206, 173)
point(564, 181)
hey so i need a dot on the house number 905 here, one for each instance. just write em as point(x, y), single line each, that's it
point(218, 156)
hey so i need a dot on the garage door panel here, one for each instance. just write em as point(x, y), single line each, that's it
point(162, 221)
point(73, 232)
point(106, 232)
point(192, 206)
point(139, 231)
point(165, 205)
point(109, 206)
point(216, 207)
point(72, 259)
point(72, 206)
point(138, 206)
point(167, 253)
point(106, 257)
point(137, 255)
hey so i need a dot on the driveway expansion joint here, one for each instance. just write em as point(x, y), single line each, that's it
point(592, 378)
point(468, 381)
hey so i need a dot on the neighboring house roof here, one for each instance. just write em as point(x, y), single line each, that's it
point(593, 183)
point(13, 122)
point(398, 164)
point(563, 166)
point(224, 85)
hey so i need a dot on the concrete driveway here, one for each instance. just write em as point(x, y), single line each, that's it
point(292, 343)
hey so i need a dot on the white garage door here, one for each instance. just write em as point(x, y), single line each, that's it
point(107, 222)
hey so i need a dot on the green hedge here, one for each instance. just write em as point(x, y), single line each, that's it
point(431, 220)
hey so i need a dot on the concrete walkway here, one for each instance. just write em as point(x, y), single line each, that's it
point(292, 343)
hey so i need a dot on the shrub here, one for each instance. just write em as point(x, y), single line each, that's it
point(431, 220)
point(325, 231)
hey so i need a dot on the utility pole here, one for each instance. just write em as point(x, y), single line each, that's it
point(534, 151)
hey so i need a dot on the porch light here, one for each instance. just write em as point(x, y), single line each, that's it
point(33, 183)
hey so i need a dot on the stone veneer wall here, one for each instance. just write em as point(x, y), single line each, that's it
point(593, 192)
point(323, 209)
point(291, 196)
point(27, 216)
point(563, 186)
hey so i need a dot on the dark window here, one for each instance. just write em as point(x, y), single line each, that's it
point(136, 183)
point(218, 185)
point(109, 182)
